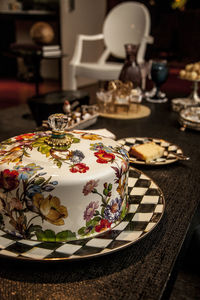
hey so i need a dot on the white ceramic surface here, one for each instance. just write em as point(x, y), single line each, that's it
point(147, 206)
point(73, 192)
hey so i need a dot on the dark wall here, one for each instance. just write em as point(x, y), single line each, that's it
point(8, 64)
point(175, 32)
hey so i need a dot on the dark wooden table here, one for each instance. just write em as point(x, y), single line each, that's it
point(142, 270)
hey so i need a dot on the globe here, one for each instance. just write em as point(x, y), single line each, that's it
point(42, 33)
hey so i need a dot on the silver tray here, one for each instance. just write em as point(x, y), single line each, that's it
point(190, 117)
point(179, 103)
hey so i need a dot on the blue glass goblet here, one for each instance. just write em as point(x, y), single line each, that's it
point(159, 74)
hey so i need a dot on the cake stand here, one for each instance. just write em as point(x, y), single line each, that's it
point(189, 117)
point(193, 99)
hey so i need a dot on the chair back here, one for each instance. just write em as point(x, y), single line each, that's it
point(126, 23)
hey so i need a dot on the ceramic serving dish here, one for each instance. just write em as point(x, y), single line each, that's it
point(60, 186)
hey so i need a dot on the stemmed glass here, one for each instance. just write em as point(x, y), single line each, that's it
point(159, 74)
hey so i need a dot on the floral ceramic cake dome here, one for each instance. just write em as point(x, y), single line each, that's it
point(61, 186)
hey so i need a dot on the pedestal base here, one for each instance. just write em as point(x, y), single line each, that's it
point(155, 100)
point(141, 112)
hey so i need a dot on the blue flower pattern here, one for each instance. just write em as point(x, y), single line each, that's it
point(113, 210)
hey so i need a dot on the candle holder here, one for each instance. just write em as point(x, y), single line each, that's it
point(119, 95)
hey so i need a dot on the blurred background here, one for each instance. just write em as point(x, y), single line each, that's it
point(174, 25)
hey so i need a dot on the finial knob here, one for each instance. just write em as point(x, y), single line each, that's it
point(58, 122)
point(58, 139)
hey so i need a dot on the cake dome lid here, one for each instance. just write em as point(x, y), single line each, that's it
point(59, 151)
point(58, 185)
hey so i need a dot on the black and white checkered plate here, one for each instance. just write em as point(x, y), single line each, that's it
point(146, 207)
point(169, 154)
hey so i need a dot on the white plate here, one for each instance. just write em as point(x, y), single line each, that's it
point(146, 208)
point(167, 158)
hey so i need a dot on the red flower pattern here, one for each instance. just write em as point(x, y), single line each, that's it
point(9, 180)
point(104, 157)
point(104, 224)
point(25, 136)
point(80, 167)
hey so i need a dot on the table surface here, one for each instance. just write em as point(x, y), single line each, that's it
point(142, 270)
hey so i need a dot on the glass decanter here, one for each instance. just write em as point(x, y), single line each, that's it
point(131, 70)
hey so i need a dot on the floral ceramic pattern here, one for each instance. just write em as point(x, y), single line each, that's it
point(29, 204)
point(104, 157)
point(100, 146)
point(13, 151)
point(100, 215)
point(91, 136)
point(80, 167)
point(21, 192)
point(106, 153)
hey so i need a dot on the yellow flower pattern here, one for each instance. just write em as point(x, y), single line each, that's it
point(50, 208)
point(91, 136)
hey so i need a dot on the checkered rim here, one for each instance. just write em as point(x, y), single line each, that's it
point(167, 158)
point(145, 211)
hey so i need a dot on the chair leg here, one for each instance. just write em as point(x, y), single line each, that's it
point(71, 81)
